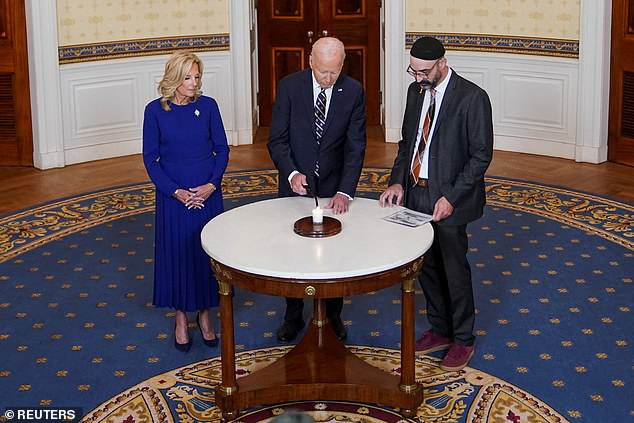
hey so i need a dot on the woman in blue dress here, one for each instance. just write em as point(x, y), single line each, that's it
point(185, 153)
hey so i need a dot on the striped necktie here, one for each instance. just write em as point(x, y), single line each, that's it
point(417, 162)
point(320, 121)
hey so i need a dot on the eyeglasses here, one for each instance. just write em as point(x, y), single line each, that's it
point(421, 73)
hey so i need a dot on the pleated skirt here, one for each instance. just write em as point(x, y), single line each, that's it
point(183, 278)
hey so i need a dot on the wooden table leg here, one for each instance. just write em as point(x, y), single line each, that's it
point(408, 370)
point(228, 387)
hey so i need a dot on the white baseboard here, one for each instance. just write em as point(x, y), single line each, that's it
point(592, 154)
point(535, 146)
point(102, 151)
point(48, 160)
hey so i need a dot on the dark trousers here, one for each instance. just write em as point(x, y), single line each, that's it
point(446, 276)
point(295, 308)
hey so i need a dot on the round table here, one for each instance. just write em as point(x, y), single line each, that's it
point(254, 247)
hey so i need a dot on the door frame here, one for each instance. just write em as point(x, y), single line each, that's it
point(44, 74)
point(595, 35)
point(45, 84)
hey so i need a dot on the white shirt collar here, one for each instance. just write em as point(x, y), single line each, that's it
point(443, 85)
point(317, 87)
point(315, 83)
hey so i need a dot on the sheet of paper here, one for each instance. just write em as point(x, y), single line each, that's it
point(408, 218)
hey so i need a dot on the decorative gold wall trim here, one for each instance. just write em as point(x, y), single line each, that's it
point(143, 47)
point(503, 44)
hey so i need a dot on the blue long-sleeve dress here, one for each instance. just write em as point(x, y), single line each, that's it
point(184, 148)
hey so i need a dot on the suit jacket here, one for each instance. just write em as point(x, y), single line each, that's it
point(292, 143)
point(461, 148)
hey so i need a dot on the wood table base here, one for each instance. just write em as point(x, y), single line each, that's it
point(320, 367)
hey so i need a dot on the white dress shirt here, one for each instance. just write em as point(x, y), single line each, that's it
point(440, 93)
point(317, 90)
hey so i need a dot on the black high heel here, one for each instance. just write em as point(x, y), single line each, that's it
point(209, 342)
point(181, 347)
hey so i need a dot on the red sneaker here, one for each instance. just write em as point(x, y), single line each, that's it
point(431, 342)
point(457, 357)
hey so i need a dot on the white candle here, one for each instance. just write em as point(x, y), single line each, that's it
point(318, 216)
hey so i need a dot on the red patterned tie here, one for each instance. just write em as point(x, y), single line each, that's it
point(429, 118)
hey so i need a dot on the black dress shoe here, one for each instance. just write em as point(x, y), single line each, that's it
point(339, 328)
point(209, 342)
point(181, 347)
point(289, 329)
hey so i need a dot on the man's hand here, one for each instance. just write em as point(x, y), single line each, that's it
point(442, 209)
point(298, 184)
point(339, 204)
point(391, 196)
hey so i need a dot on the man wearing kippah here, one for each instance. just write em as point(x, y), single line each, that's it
point(446, 147)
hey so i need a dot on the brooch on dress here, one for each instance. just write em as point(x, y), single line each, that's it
point(196, 112)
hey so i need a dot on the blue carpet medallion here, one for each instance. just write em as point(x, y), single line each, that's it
point(552, 269)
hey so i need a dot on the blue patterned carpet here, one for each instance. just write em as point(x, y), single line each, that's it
point(553, 272)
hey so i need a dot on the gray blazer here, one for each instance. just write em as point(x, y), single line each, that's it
point(461, 148)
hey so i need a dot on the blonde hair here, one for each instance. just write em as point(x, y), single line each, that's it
point(176, 68)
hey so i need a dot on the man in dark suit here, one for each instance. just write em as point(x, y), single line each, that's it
point(446, 147)
point(317, 142)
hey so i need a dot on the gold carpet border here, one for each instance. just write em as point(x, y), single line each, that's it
point(25, 230)
point(609, 219)
point(466, 395)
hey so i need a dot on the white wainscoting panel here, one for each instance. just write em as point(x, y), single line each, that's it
point(475, 75)
point(103, 102)
point(104, 106)
point(534, 99)
point(530, 102)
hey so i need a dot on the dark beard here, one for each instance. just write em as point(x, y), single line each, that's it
point(428, 84)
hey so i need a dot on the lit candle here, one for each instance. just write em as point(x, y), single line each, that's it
point(318, 216)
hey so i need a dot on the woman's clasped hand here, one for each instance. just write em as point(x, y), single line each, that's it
point(194, 198)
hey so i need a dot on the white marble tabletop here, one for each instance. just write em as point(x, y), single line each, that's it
point(259, 238)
